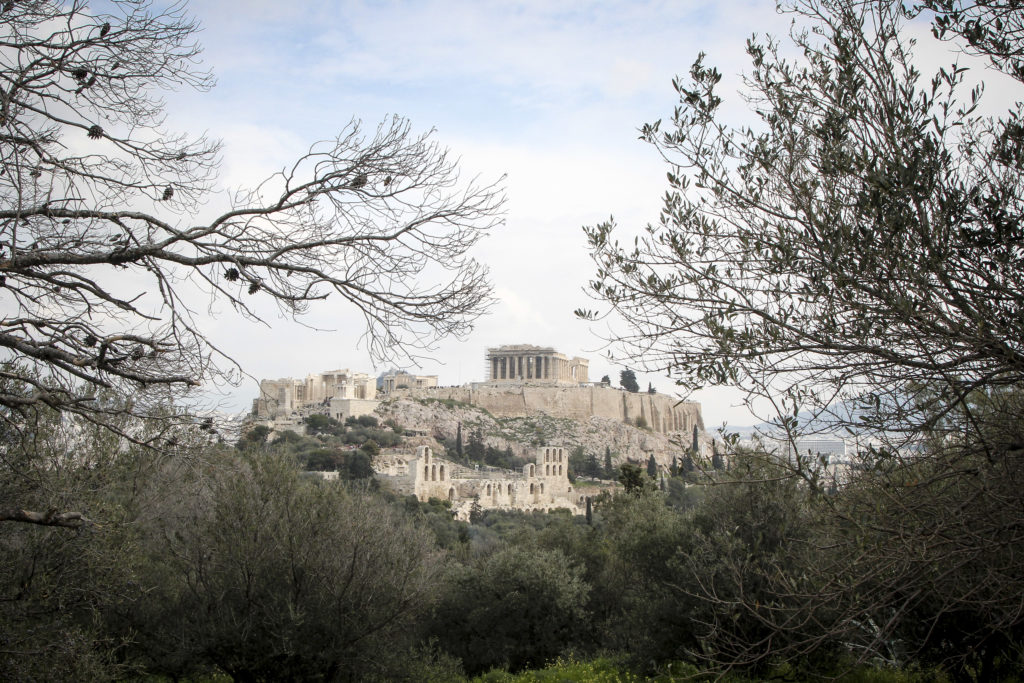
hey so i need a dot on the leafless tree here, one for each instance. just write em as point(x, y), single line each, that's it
point(100, 254)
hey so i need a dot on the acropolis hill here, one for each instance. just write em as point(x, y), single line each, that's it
point(521, 380)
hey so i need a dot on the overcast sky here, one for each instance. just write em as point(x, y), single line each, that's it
point(549, 92)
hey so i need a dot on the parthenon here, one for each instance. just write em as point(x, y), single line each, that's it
point(524, 362)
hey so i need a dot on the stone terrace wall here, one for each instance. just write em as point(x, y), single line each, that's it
point(664, 414)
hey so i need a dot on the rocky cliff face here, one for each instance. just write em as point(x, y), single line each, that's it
point(440, 419)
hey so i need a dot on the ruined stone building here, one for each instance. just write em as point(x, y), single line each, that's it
point(541, 365)
point(282, 397)
point(404, 380)
point(542, 485)
point(522, 380)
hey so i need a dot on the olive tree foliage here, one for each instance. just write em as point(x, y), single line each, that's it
point(857, 254)
point(992, 29)
point(58, 582)
point(58, 468)
point(266, 575)
point(858, 246)
point(104, 263)
point(517, 608)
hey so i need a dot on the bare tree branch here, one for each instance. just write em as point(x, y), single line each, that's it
point(102, 262)
point(72, 520)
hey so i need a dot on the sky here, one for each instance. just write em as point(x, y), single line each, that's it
point(549, 93)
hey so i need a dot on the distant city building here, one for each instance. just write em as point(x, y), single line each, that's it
point(835, 457)
point(519, 363)
point(834, 447)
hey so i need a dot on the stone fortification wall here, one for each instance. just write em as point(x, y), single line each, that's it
point(662, 413)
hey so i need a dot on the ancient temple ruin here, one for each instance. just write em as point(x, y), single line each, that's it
point(401, 379)
point(518, 363)
point(282, 397)
point(541, 485)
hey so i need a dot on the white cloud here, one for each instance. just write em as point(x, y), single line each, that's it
point(549, 91)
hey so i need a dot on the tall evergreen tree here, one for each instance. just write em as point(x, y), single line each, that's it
point(627, 380)
point(632, 478)
point(475, 449)
point(717, 461)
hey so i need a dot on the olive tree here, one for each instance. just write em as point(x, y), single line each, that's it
point(266, 575)
point(856, 254)
point(860, 242)
point(516, 608)
point(103, 261)
point(55, 584)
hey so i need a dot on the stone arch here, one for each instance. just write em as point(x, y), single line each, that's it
point(547, 470)
point(426, 472)
point(559, 470)
point(451, 494)
point(542, 487)
point(510, 489)
point(531, 489)
point(433, 473)
point(488, 489)
point(530, 470)
point(442, 472)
